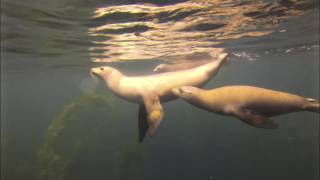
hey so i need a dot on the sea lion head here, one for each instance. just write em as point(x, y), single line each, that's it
point(185, 92)
point(102, 72)
point(160, 68)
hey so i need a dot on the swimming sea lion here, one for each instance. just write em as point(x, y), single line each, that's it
point(250, 104)
point(149, 91)
point(179, 66)
point(189, 61)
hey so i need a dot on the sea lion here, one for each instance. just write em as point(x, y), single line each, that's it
point(189, 61)
point(252, 105)
point(166, 67)
point(149, 91)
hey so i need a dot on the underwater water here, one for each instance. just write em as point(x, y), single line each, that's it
point(57, 123)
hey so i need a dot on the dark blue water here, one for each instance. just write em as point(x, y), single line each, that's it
point(57, 124)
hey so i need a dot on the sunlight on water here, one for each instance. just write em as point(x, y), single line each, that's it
point(147, 31)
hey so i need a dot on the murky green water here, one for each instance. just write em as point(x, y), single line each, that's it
point(57, 125)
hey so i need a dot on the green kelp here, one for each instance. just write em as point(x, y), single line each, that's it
point(73, 130)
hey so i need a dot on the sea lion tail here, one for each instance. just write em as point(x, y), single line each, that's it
point(312, 105)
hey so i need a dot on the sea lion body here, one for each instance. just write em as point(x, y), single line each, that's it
point(131, 88)
point(189, 61)
point(251, 104)
point(179, 66)
point(149, 91)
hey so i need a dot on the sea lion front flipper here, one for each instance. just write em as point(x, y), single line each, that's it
point(154, 112)
point(255, 119)
point(143, 122)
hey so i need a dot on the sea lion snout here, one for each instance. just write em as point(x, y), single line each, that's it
point(184, 91)
point(101, 71)
point(188, 89)
point(95, 71)
point(159, 68)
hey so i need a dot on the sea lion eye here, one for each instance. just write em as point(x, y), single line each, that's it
point(101, 69)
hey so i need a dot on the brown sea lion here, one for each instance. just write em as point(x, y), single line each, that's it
point(250, 104)
point(149, 91)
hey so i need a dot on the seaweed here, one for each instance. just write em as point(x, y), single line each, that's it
point(70, 131)
point(85, 131)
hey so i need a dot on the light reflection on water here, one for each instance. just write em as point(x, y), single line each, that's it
point(149, 31)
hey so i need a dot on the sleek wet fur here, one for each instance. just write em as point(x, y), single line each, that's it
point(179, 66)
point(149, 91)
point(189, 61)
point(250, 104)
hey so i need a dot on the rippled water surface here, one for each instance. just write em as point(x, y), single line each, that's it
point(58, 124)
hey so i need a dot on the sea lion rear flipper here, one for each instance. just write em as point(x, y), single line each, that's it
point(256, 120)
point(143, 122)
point(154, 113)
